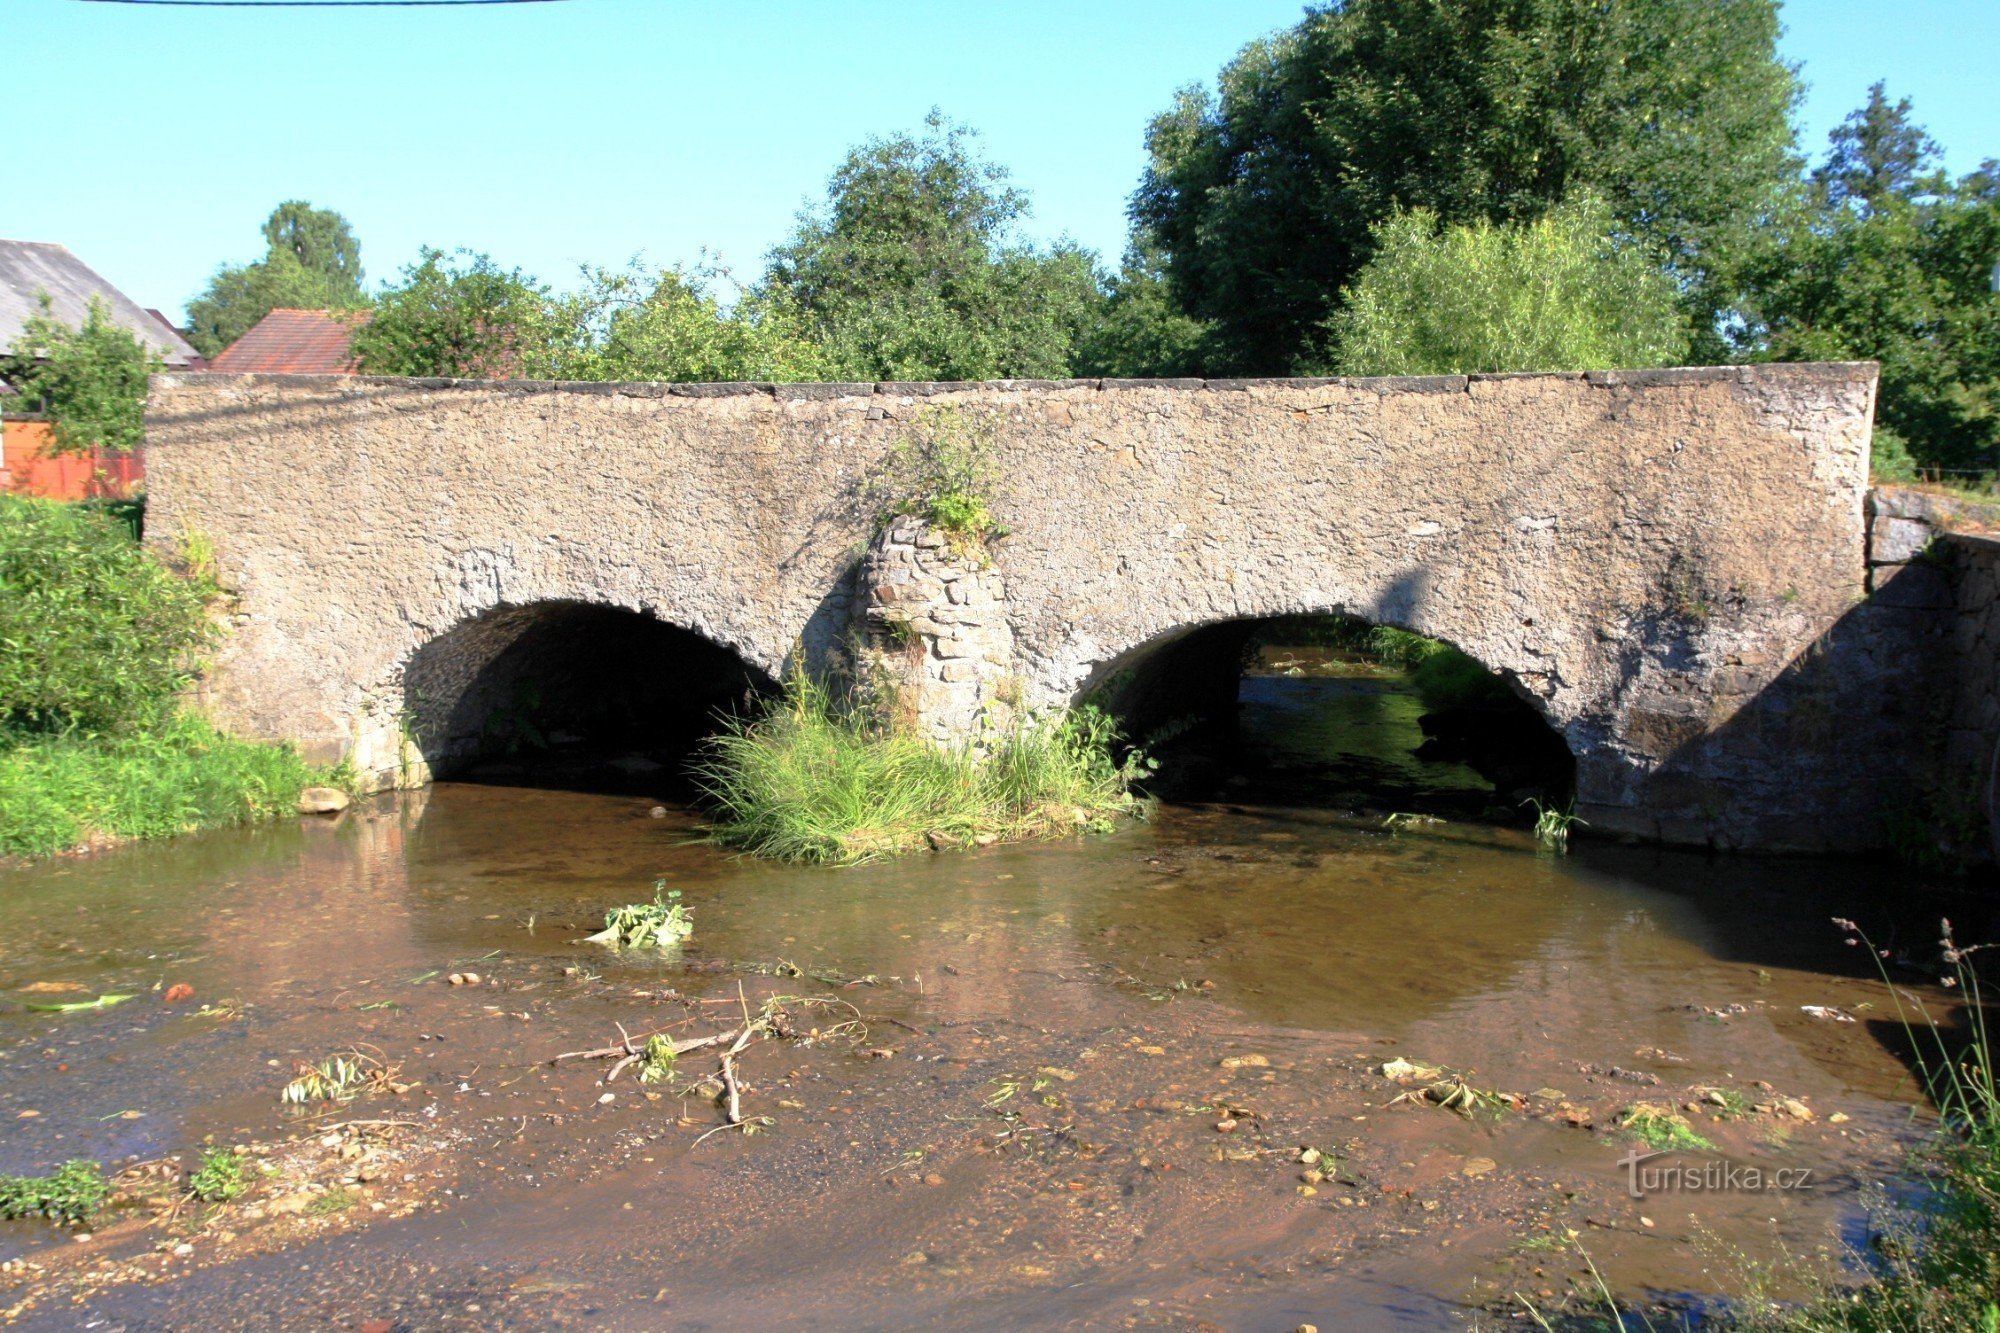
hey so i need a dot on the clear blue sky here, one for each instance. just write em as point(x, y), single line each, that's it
point(153, 141)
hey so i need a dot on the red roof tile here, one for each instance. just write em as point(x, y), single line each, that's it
point(292, 342)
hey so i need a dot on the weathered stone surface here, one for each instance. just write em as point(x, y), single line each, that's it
point(1608, 541)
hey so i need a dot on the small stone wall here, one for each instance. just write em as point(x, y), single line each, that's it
point(937, 647)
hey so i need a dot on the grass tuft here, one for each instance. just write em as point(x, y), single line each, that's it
point(812, 780)
point(61, 790)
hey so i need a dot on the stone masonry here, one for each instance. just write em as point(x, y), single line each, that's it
point(1669, 566)
point(936, 642)
point(1934, 562)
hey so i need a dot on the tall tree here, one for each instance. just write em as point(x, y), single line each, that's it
point(1263, 198)
point(1889, 260)
point(312, 261)
point(914, 269)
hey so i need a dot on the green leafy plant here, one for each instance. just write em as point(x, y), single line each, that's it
point(71, 1196)
point(660, 924)
point(219, 1178)
point(943, 472)
point(658, 1059)
point(59, 791)
point(340, 1077)
point(333, 1201)
point(1552, 825)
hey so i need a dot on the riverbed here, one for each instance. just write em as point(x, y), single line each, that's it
point(1122, 1080)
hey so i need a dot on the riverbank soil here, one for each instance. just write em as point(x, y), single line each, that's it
point(1133, 1080)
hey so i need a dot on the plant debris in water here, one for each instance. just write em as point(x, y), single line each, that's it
point(1661, 1129)
point(77, 1190)
point(80, 1006)
point(340, 1077)
point(660, 924)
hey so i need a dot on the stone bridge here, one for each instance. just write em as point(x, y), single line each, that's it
point(1665, 563)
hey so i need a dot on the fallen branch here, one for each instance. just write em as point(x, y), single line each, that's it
point(735, 1108)
point(625, 1046)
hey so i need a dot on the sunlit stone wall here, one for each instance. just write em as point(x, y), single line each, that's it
point(1665, 563)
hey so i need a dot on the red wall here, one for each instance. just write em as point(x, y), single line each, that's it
point(31, 469)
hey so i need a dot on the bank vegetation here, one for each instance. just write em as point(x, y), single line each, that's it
point(99, 637)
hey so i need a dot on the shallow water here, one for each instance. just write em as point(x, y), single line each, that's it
point(1117, 973)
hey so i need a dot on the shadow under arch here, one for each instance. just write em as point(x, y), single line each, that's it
point(1303, 710)
point(570, 694)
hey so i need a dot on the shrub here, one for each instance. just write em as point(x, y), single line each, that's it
point(96, 634)
point(812, 780)
point(1555, 294)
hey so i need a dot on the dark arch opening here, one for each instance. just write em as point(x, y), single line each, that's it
point(572, 695)
point(1330, 711)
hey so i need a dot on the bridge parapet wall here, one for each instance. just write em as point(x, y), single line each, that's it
point(1665, 563)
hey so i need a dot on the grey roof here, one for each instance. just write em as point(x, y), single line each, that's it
point(29, 268)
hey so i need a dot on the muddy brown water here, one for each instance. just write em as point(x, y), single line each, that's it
point(1027, 1134)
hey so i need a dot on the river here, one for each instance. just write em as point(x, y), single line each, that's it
point(1057, 1084)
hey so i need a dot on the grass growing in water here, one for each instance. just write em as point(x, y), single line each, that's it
point(61, 789)
point(77, 1190)
point(812, 780)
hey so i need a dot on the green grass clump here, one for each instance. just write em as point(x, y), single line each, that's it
point(811, 780)
point(70, 1196)
point(59, 790)
point(219, 1178)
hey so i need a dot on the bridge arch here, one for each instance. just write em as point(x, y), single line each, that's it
point(567, 692)
point(1319, 671)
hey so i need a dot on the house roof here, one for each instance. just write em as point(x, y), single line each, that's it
point(29, 268)
point(292, 342)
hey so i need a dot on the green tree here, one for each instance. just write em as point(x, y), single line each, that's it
point(1138, 329)
point(311, 262)
point(1263, 198)
point(1877, 154)
point(913, 269)
point(1557, 293)
point(90, 380)
point(459, 316)
point(670, 325)
point(1889, 260)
